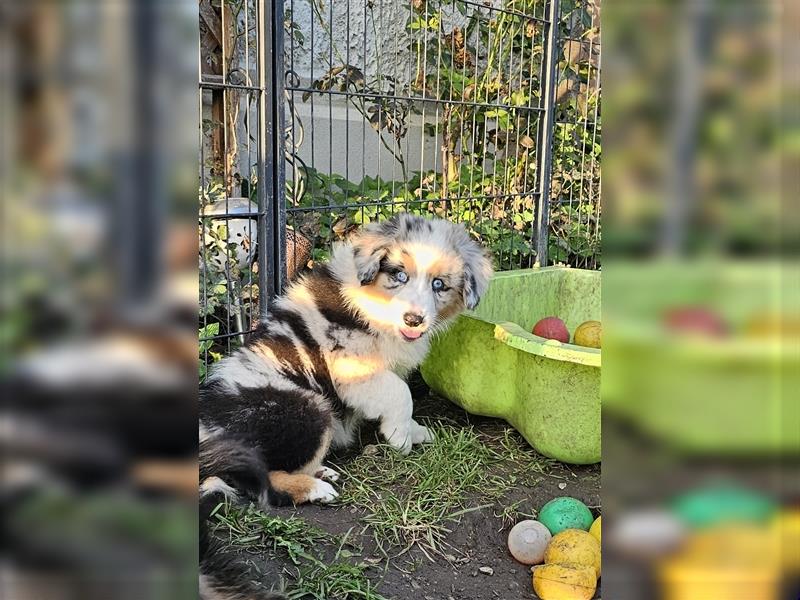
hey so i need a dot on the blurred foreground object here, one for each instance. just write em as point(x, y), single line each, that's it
point(98, 325)
point(700, 298)
point(702, 379)
point(736, 562)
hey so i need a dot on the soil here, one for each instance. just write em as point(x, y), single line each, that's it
point(479, 538)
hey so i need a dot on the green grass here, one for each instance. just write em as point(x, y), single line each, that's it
point(409, 500)
point(338, 579)
point(250, 529)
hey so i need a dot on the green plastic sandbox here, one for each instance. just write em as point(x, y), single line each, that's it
point(734, 395)
point(490, 364)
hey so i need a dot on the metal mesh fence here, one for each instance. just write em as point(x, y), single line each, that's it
point(318, 117)
point(238, 107)
point(575, 232)
point(428, 107)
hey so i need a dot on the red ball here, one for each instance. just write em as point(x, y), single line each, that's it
point(695, 319)
point(552, 328)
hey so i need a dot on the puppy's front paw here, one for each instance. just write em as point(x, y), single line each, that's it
point(399, 439)
point(420, 434)
point(322, 492)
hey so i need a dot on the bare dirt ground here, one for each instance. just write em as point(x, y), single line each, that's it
point(474, 563)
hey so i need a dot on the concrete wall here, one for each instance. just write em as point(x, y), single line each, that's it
point(374, 41)
point(338, 140)
point(329, 133)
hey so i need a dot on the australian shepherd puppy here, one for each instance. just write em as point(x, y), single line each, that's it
point(332, 352)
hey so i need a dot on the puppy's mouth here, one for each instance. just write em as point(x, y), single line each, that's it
point(410, 334)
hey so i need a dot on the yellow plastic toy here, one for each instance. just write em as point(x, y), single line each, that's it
point(564, 582)
point(588, 334)
point(595, 529)
point(574, 546)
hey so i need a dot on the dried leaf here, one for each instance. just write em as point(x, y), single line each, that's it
point(572, 51)
point(526, 142)
point(355, 77)
point(455, 39)
point(463, 58)
point(582, 99)
point(565, 86)
point(340, 226)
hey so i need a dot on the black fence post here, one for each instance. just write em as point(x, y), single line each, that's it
point(140, 198)
point(271, 167)
point(545, 132)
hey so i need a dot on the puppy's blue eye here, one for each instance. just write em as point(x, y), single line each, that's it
point(401, 276)
point(438, 285)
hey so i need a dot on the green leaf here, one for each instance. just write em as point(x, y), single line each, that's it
point(519, 98)
point(210, 330)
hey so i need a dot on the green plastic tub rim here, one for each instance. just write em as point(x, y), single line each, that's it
point(490, 365)
point(515, 336)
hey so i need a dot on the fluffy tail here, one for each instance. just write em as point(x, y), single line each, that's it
point(222, 577)
point(232, 466)
point(229, 468)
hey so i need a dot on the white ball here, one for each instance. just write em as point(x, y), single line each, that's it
point(527, 542)
point(646, 534)
point(242, 232)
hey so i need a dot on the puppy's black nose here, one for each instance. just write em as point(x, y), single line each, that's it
point(412, 319)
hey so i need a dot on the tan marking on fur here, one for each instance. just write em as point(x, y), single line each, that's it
point(446, 267)
point(372, 301)
point(454, 306)
point(301, 296)
point(406, 258)
point(297, 485)
point(449, 269)
point(266, 354)
point(424, 256)
point(179, 476)
point(375, 294)
point(315, 464)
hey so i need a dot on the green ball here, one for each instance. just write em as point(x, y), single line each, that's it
point(723, 504)
point(565, 513)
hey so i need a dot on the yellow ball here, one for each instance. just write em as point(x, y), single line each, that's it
point(595, 529)
point(564, 582)
point(786, 530)
point(588, 334)
point(574, 546)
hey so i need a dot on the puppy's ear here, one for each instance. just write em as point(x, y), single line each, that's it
point(370, 246)
point(477, 271)
point(368, 262)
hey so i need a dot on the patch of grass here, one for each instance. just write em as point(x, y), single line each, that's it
point(255, 531)
point(339, 579)
point(511, 513)
point(409, 500)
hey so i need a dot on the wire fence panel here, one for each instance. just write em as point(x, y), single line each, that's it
point(423, 106)
point(235, 102)
point(575, 233)
point(319, 117)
